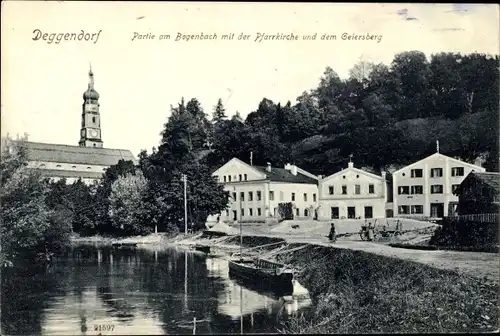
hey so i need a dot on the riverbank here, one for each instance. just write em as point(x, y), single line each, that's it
point(375, 288)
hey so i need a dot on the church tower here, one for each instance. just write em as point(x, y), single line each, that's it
point(90, 133)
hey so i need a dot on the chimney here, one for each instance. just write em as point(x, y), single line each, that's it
point(293, 170)
point(384, 174)
point(268, 166)
point(350, 164)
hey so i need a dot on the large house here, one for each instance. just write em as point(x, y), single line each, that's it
point(425, 188)
point(87, 161)
point(352, 193)
point(479, 193)
point(255, 191)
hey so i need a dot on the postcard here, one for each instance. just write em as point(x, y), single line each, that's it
point(249, 168)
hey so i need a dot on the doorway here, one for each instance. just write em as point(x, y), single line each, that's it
point(351, 212)
point(437, 210)
point(235, 215)
point(368, 212)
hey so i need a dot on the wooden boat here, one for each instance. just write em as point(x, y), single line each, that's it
point(267, 274)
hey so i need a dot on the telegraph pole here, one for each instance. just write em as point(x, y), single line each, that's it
point(184, 179)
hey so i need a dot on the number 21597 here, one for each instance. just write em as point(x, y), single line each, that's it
point(104, 327)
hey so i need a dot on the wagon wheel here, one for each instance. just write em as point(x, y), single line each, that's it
point(362, 235)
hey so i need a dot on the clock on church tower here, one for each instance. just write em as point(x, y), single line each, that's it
point(90, 133)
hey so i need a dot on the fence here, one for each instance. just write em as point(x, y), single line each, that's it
point(482, 218)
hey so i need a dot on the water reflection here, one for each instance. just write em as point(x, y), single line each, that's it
point(146, 291)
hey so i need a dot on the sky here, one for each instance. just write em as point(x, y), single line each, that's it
point(43, 83)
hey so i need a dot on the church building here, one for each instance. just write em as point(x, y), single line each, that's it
point(89, 159)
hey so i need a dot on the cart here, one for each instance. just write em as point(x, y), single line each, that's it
point(370, 231)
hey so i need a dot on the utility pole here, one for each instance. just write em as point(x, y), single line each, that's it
point(184, 179)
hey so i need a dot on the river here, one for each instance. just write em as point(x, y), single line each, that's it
point(95, 289)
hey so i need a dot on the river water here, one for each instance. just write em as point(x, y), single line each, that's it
point(95, 289)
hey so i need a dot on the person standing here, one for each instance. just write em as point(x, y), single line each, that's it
point(333, 234)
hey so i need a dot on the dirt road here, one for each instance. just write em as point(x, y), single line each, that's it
point(476, 264)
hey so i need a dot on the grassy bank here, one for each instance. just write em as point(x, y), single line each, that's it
point(358, 292)
point(154, 238)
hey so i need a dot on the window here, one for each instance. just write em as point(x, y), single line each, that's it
point(293, 197)
point(297, 211)
point(250, 212)
point(42, 165)
point(417, 209)
point(305, 197)
point(225, 178)
point(245, 176)
point(371, 189)
point(240, 177)
point(93, 120)
point(436, 172)
point(58, 166)
point(457, 171)
point(229, 178)
point(259, 212)
point(357, 189)
point(454, 187)
point(314, 197)
point(404, 190)
point(259, 195)
point(74, 167)
point(437, 189)
point(89, 168)
point(250, 196)
point(344, 190)
point(330, 190)
point(271, 195)
point(242, 212)
point(282, 195)
point(417, 190)
point(415, 173)
point(306, 213)
point(234, 196)
point(403, 209)
point(242, 196)
point(94, 145)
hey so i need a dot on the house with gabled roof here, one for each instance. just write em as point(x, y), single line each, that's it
point(352, 193)
point(426, 188)
point(479, 193)
point(256, 191)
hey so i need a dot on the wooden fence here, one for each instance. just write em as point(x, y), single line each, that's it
point(483, 218)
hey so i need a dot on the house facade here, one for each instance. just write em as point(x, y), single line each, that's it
point(255, 192)
point(425, 188)
point(352, 193)
point(479, 193)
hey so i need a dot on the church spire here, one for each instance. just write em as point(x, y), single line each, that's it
point(91, 78)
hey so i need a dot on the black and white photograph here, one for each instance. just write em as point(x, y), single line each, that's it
point(204, 168)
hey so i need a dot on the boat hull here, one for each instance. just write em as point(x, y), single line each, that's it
point(266, 279)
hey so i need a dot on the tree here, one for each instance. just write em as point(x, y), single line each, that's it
point(126, 206)
point(219, 113)
point(28, 225)
point(361, 71)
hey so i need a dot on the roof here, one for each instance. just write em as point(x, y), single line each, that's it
point(284, 175)
point(69, 173)
point(356, 170)
point(473, 166)
point(491, 179)
point(39, 151)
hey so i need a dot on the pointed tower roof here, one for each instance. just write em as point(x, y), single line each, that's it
point(91, 93)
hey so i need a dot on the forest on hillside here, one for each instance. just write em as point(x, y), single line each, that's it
point(385, 115)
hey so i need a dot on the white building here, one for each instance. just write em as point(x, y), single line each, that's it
point(255, 191)
point(352, 193)
point(425, 188)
